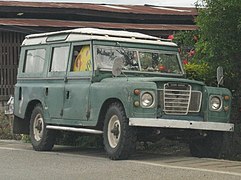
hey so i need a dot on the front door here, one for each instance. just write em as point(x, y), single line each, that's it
point(76, 102)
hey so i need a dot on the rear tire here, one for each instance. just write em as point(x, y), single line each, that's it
point(208, 147)
point(42, 139)
point(119, 137)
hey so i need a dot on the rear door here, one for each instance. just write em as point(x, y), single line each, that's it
point(54, 90)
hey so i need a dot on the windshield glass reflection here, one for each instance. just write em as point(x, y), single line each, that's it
point(138, 59)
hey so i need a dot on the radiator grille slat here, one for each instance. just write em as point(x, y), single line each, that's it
point(179, 99)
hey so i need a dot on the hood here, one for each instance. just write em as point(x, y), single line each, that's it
point(151, 79)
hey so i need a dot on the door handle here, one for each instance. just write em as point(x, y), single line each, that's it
point(67, 93)
point(46, 91)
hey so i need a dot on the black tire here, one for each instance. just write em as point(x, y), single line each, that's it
point(119, 137)
point(208, 147)
point(42, 139)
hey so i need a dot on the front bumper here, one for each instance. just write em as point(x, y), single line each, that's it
point(181, 124)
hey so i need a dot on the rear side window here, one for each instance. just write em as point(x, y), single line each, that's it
point(59, 59)
point(34, 61)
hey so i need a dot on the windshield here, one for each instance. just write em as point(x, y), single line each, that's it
point(138, 59)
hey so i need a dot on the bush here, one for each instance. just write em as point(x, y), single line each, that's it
point(5, 127)
point(201, 72)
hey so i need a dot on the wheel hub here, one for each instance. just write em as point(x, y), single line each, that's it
point(114, 131)
point(38, 127)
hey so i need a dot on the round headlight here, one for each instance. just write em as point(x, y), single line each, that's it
point(215, 103)
point(146, 99)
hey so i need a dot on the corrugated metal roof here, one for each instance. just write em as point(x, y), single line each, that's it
point(134, 9)
point(74, 24)
point(32, 17)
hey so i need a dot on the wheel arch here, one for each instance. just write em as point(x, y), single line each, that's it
point(31, 105)
point(21, 126)
point(103, 110)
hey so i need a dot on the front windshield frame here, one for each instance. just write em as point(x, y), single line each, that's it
point(166, 51)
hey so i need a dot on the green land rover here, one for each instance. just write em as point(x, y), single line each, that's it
point(126, 86)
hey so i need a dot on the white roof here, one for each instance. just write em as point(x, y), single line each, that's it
point(94, 33)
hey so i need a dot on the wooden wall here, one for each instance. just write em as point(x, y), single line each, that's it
point(9, 57)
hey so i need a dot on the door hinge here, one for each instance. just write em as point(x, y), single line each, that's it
point(88, 114)
point(61, 112)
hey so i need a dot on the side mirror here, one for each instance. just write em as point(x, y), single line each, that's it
point(220, 75)
point(117, 66)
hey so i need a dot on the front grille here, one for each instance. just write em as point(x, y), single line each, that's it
point(179, 99)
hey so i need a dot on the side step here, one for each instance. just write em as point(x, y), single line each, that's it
point(82, 130)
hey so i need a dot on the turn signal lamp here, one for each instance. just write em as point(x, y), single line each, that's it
point(137, 91)
point(226, 98)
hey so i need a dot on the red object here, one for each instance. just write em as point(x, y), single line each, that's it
point(191, 52)
point(171, 37)
point(162, 68)
point(185, 61)
point(137, 91)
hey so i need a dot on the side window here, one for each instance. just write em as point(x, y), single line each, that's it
point(34, 61)
point(81, 59)
point(59, 59)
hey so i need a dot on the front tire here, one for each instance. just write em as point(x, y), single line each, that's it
point(119, 137)
point(42, 139)
point(208, 147)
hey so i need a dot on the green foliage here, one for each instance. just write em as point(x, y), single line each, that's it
point(218, 43)
point(197, 68)
point(25, 138)
point(200, 72)
point(5, 128)
point(220, 40)
point(186, 40)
